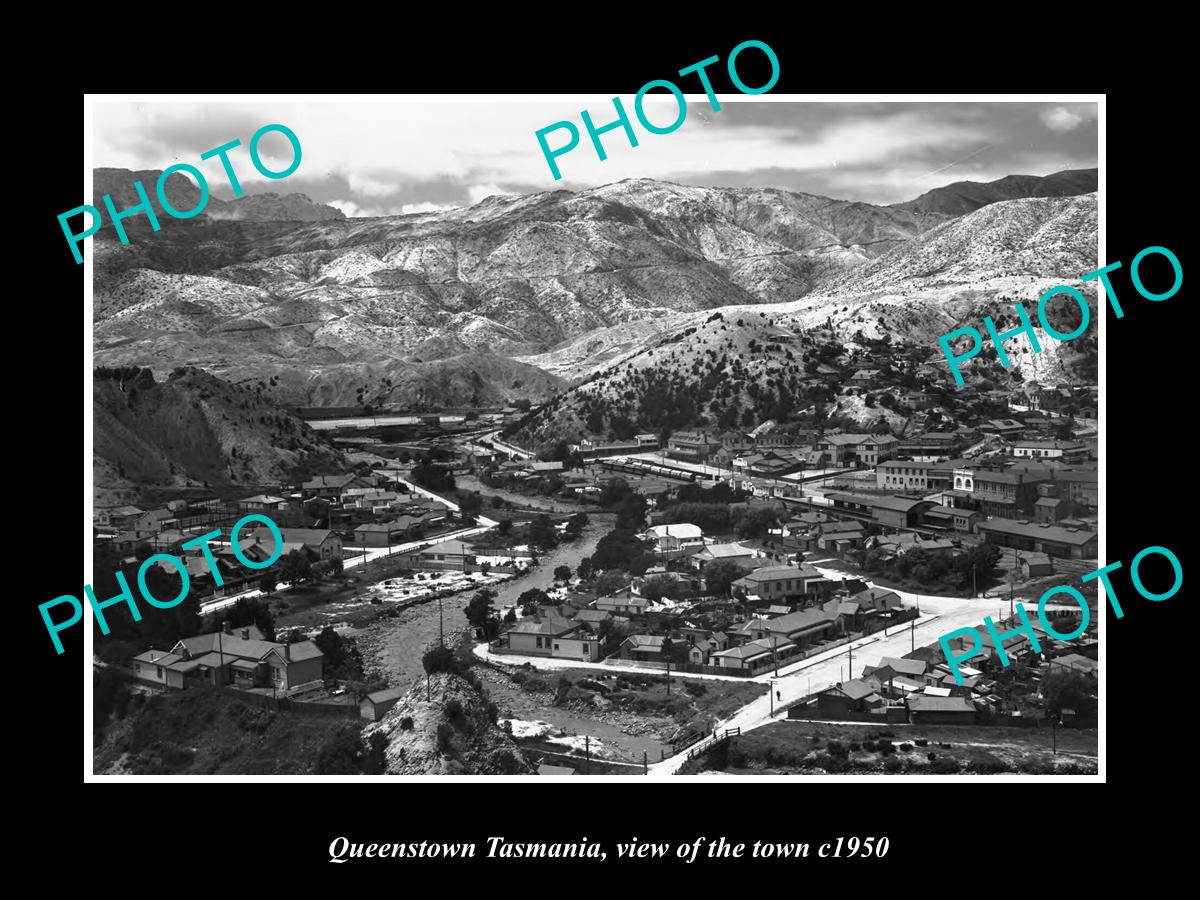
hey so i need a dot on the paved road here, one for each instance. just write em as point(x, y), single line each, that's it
point(357, 556)
point(939, 615)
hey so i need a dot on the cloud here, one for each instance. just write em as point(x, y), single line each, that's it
point(425, 206)
point(478, 192)
point(427, 153)
point(1060, 118)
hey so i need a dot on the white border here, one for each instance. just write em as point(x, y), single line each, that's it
point(88, 118)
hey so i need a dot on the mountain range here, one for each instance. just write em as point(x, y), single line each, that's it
point(572, 295)
point(522, 276)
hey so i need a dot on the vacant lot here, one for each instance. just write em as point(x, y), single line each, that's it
point(625, 714)
point(817, 748)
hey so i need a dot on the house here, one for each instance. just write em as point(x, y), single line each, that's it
point(1009, 428)
point(321, 543)
point(837, 537)
point(263, 503)
point(1053, 540)
point(331, 487)
point(891, 667)
point(693, 446)
point(928, 710)
point(385, 534)
point(753, 653)
point(123, 518)
point(242, 660)
point(625, 602)
point(644, 647)
point(779, 582)
point(549, 466)
point(673, 541)
point(735, 553)
point(375, 706)
point(849, 697)
point(700, 651)
point(444, 555)
point(537, 638)
point(547, 770)
point(802, 628)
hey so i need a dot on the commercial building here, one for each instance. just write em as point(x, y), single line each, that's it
point(1053, 540)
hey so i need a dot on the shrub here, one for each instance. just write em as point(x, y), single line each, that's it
point(944, 765)
point(892, 765)
point(922, 742)
point(931, 755)
point(837, 748)
point(904, 748)
point(445, 738)
point(987, 764)
point(855, 746)
point(869, 746)
point(885, 746)
point(454, 710)
point(439, 659)
point(406, 724)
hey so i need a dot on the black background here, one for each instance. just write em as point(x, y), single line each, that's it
point(936, 830)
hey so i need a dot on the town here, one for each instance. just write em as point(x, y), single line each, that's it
point(724, 582)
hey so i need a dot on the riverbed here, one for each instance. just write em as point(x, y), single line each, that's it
point(395, 645)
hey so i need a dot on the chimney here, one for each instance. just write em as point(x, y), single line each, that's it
point(245, 634)
point(226, 627)
point(287, 651)
point(185, 652)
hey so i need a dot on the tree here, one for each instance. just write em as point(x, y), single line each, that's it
point(480, 614)
point(335, 565)
point(342, 658)
point(610, 581)
point(542, 533)
point(1069, 690)
point(654, 589)
point(267, 582)
point(562, 573)
point(246, 611)
point(584, 569)
point(295, 568)
point(719, 576)
point(470, 504)
point(531, 599)
point(505, 527)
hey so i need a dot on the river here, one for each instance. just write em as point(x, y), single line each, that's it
point(395, 645)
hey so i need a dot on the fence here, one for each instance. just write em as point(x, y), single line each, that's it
point(283, 704)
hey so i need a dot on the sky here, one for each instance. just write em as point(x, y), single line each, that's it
point(416, 154)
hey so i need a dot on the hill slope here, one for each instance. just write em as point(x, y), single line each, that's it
point(192, 429)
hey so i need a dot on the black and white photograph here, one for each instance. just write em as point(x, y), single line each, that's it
point(529, 437)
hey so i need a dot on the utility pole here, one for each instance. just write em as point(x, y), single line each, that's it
point(587, 754)
point(851, 648)
point(441, 635)
point(912, 635)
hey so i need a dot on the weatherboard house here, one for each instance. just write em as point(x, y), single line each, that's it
point(238, 658)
